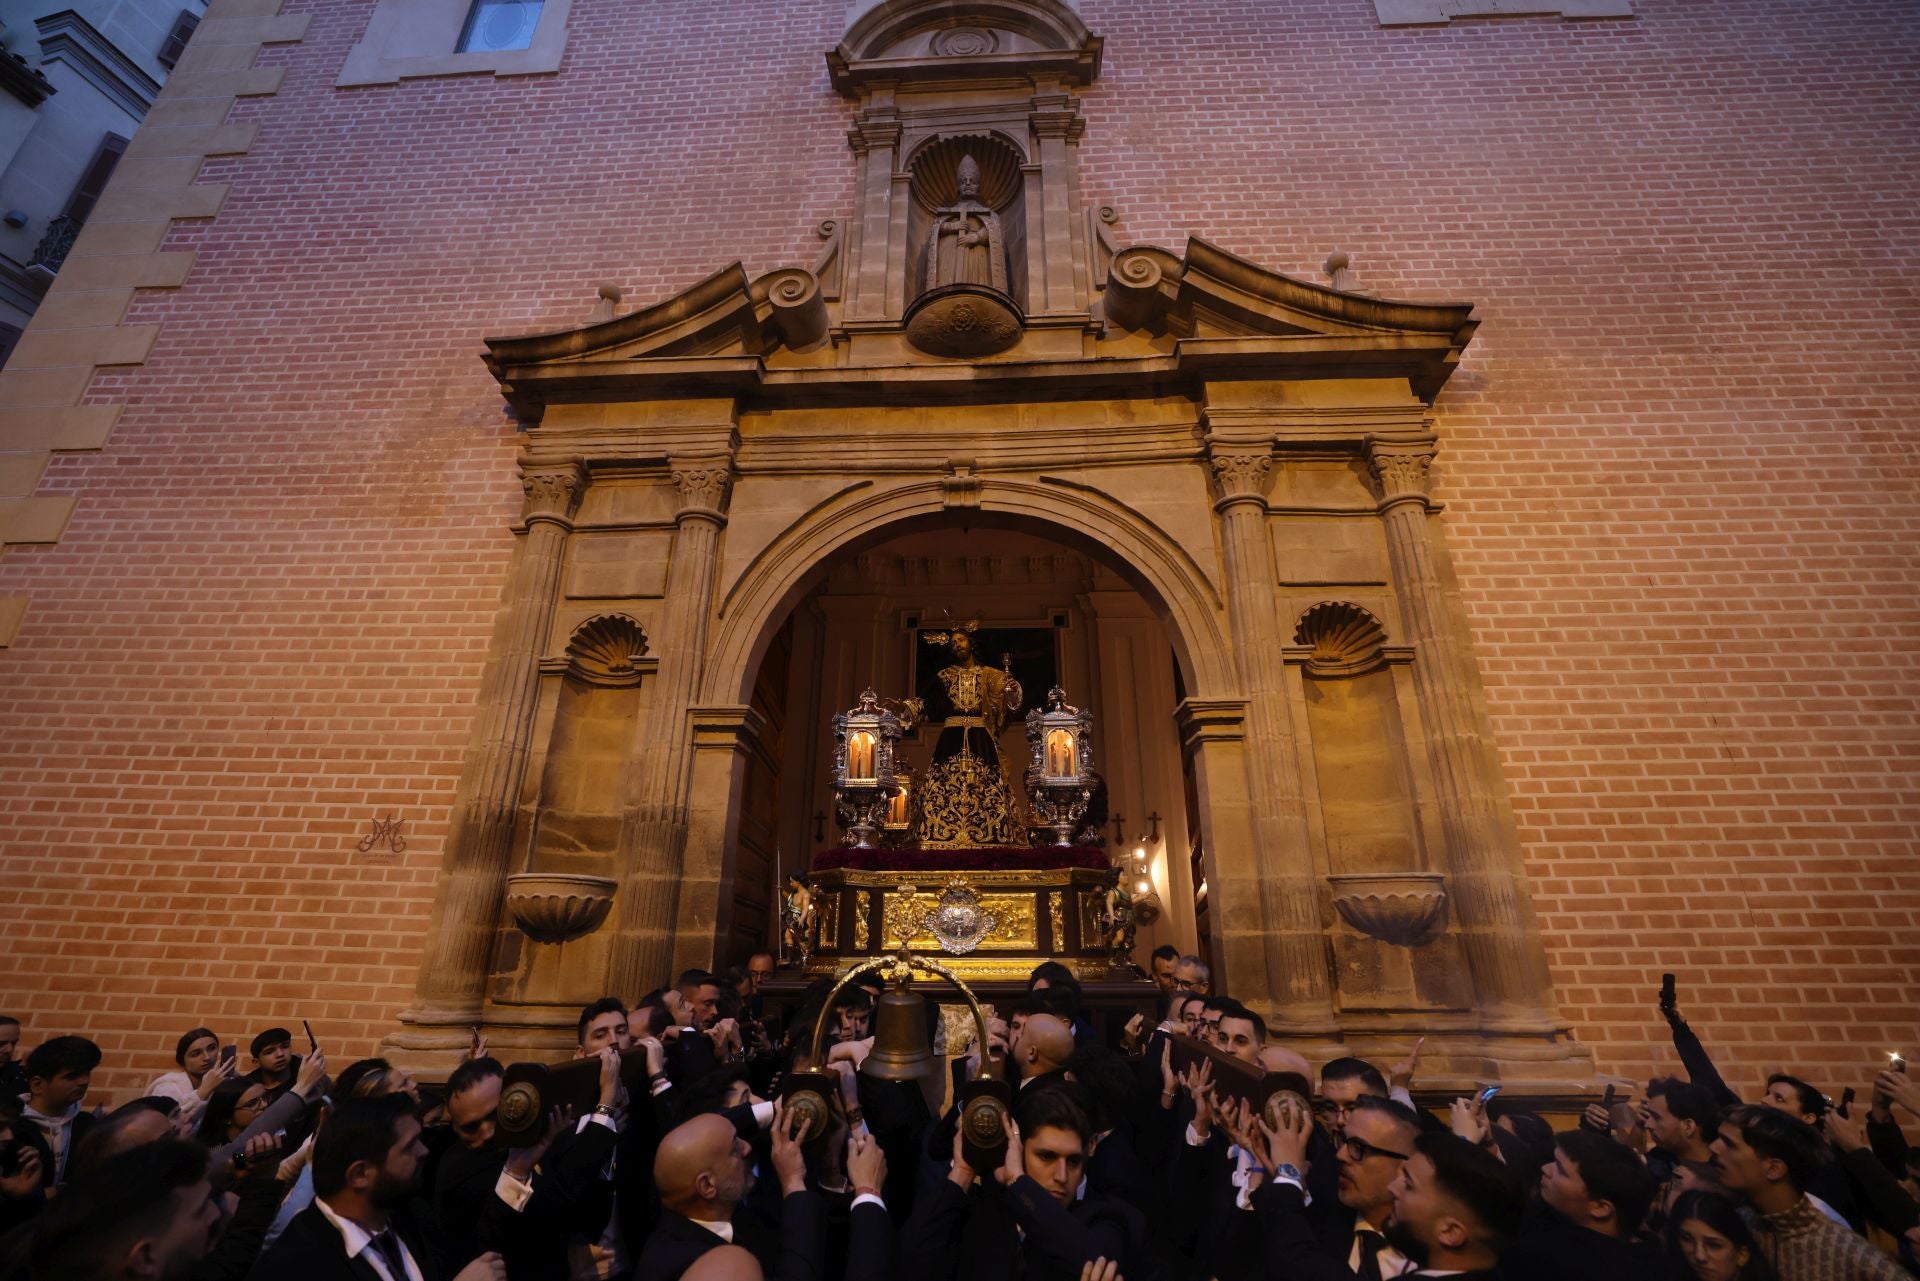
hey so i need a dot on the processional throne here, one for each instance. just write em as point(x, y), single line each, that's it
point(997, 867)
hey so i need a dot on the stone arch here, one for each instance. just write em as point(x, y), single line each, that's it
point(1158, 567)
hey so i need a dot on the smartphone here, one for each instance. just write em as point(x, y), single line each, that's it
point(228, 1053)
point(313, 1046)
point(1666, 992)
point(1487, 1094)
point(1895, 1063)
point(1606, 1100)
point(1846, 1101)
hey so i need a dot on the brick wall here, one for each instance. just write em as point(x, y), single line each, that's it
point(1679, 461)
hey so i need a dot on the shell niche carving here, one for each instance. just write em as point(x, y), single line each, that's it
point(1346, 639)
point(553, 907)
point(1406, 909)
point(603, 649)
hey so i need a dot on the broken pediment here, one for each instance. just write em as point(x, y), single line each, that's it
point(921, 41)
point(1210, 315)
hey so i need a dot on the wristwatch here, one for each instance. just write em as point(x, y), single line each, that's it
point(1290, 1173)
point(603, 1109)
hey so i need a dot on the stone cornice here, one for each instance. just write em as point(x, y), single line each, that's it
point(67, 37)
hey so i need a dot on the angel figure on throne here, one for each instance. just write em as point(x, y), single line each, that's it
point(964, 801)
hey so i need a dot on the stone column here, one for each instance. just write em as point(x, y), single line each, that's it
point(1487, 897)
point(453, 975)
point(653, 838)
point(1296, 947)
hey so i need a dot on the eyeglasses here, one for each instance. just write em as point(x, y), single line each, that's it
point(1360, 1150)
point(249, 1105)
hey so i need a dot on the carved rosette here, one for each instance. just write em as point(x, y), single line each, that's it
point(1402, 471)
point(1241, 477)
point(552, 493)
point(703, 485)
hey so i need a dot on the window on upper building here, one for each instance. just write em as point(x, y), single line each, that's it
point(408, 39)
point(177, 38)
point(495, 26)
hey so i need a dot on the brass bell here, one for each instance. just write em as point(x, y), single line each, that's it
point(900, 1049)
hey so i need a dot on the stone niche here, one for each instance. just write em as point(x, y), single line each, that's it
point(1388, 924)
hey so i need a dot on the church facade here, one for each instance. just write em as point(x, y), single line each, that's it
point(1436, 446)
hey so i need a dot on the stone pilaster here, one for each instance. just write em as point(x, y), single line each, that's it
point(1298, 987)
point(1056, 127)
point(467, 900)
point(653, 839)
point(874, 140)
point(1487, 895)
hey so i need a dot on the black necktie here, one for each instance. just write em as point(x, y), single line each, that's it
point(1371, 1244)
point(387, 1245)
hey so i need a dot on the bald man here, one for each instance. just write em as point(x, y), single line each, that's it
point(1278, 1058)
point(704, 1170)
point(1041, 1047)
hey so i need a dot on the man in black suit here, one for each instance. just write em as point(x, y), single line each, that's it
point(1378, 1141)
point(366, 1168)
point(537, 1204)
point(704, 1171)
point(147, 1212)
point(1455, 1209)
point(1031, 1218)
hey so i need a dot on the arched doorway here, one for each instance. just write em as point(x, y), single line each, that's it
point(1054, 611)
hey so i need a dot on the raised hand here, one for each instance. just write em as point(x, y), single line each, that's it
point(1130, 1034)
point(476, 1044)
point(1101, 1270)
point(1401, 1074)
point(1469, 1120)
point(1199, 1083)
point(1286, 1143)
point(255, 1160)
point(656, 1055)
point(609, 1077)
point(520, 1161)
point(1596, 1118)
point(488, 1267)
point(1845, 1133)
point(962, 1174)
point(866, 1163)
point(25, 1181)
point(313, 1070)
point(789, 1162)
point(1016, 1163)
point(220, 1071)
point(1901, 1088)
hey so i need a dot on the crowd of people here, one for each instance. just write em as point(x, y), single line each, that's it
point(1123, 1160)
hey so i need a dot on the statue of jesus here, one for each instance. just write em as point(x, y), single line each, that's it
point(966, 245)
point(965, 801)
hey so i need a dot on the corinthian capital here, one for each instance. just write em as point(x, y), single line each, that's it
point(1241, 477)
point(1401, 468)
point(703, 485)
point(552, 492)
